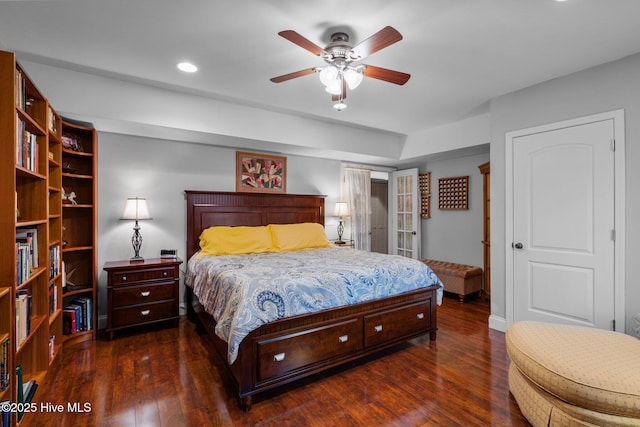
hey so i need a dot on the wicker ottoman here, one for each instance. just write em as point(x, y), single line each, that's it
point(570, 375)
point(460, 279)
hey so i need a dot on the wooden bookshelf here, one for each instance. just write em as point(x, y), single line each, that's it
point(34, 171)
point(6, 328)
point(24, 225)
point(55, 339)
point(79, 219)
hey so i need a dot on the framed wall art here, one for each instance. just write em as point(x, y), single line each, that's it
point(425, 194)
point(453, 193)
point(261, 173)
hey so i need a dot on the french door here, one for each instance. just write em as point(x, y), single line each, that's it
point(404, 203)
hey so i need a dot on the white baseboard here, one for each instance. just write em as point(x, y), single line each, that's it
point(498, 323)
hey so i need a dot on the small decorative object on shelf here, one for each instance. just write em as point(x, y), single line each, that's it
point(72, 142)
point(68, 169)
point(69, 197)
point(136, 209)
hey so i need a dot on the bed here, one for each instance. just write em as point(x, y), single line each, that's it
point(285, 349)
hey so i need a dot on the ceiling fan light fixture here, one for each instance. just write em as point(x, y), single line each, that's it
point(353, 77)
point(334, 87)
point(339, 106)
point(328, 75)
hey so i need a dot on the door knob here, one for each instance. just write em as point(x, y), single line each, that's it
point(414, 232)
point(518, 245)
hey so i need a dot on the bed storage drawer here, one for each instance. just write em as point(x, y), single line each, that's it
point(284, 354)
point(396, 323)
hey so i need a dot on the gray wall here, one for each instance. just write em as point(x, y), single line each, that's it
point(160, 171)
point(608, 87)
point(455, 236)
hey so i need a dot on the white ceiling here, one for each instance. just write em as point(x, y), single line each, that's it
point(460, 53)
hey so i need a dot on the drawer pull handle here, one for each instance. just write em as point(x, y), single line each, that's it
point(124, 278)
point(145, 293)
point(164, 273)
point(377, 328)
point(145, 312)
point(343, 338)
point(420, 316)
point(278, 357)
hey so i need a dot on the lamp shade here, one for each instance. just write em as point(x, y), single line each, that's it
point(341, 209)
point(136, 208)
point(353, 77)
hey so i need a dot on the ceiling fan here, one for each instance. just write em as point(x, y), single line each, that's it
point(340, 55)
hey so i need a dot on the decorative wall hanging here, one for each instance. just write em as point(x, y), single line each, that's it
point(261, 173)
point(453, 193)
point(424, 182)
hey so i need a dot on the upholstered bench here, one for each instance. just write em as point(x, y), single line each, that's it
point(460, 279)
point(564, 375)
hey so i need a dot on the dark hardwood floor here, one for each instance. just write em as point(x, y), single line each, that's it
point(166, 377)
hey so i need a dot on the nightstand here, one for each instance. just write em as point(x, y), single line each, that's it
point(346, 243)
point(142, 292)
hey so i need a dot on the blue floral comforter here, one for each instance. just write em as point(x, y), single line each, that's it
point(243, 292)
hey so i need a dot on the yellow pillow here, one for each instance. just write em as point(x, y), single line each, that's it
point(293, 237)
point(225, 240)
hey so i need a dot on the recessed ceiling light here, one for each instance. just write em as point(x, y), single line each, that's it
point(187, 67)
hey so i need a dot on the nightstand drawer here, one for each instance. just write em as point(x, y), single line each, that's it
point(143, 294)
point(146, 275)
point(144, 313)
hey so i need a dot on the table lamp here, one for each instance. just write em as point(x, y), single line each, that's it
point(136, 209)
point(341, 209)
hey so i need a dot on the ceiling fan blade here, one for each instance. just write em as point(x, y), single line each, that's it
point(290, 76)
point(383, 38)
point(296, 38)
point(342, 96)
point(387, 75)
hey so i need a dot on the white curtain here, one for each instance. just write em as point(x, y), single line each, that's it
point(357, 193)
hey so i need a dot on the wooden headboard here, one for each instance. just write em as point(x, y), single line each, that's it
point(209, 208)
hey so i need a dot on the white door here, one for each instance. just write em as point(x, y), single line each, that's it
point(405, 231)
point(564, 225)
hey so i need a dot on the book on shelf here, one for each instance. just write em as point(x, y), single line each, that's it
point(54, 256)
point(25, 391)
point(4, 365)
point(20, 395)
point(52, 120)
point(26, 147)
point(69, 326)
point(28, 390)
point(26, 253)
point(23, 316)
point(77, 316)
point(79, 319)
point(52, 347)
point(5, 421)
point(21, 90)
point(86, 305)
point(53, 299)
